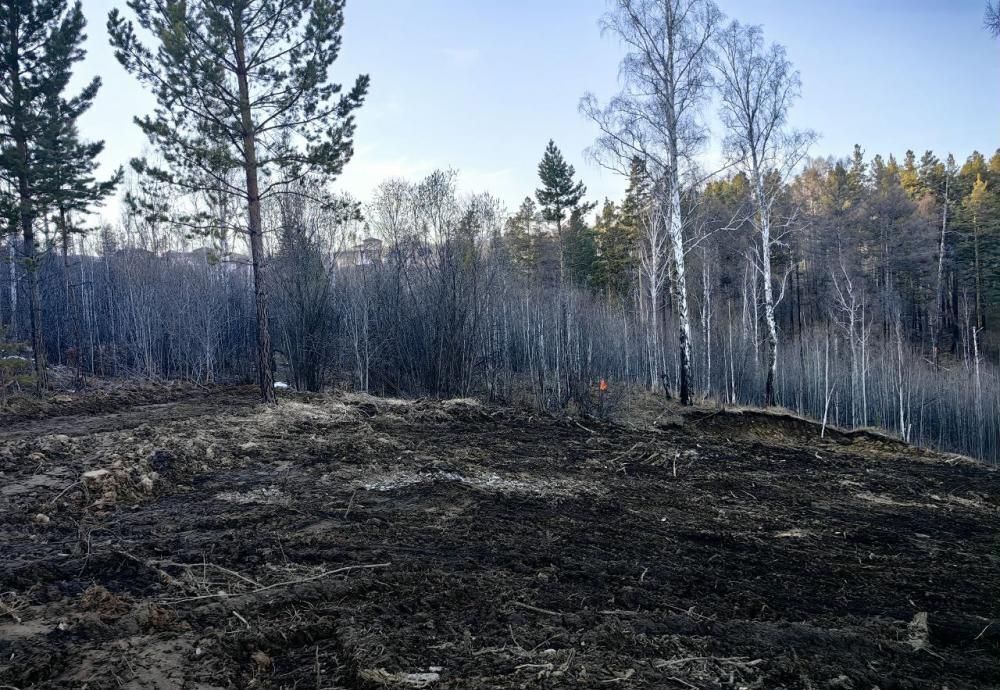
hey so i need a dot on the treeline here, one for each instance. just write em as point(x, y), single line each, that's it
point(919, 239)
point(447, 304)
point(862, 291)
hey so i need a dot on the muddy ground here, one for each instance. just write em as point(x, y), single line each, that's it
point(354, 542)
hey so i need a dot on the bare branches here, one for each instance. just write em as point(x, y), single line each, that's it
point(991, 18)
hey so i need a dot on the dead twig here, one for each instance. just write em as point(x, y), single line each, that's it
point(622, 678)
point(536, 609)
point(988, 625)
point(227, 571)
point(165, 576)
point(12, 612)
point(287, 583)
point(678, 662)
point(59, 495)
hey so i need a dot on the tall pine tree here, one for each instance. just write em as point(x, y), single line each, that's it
point(242, 85)
point(41, 157)
point(559, 194)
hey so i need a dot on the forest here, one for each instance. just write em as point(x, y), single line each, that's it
point(860, 289)
point(735, 426)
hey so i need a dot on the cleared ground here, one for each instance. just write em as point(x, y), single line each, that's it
point(352, 542)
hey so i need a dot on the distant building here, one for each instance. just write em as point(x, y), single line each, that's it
point(368, 253)
point(206, 255)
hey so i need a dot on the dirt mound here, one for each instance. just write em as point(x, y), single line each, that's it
point(358, 542)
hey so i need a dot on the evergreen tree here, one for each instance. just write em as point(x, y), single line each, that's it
point(518, 236)
point(41, 157)
point(857, 174)
point(932, 174)
point(242, 85)
point(581, 247)
point(909, 176)
point(892, 169)
point(558, 194)
point(616, 246)
point(635, 207)
point(995, 163)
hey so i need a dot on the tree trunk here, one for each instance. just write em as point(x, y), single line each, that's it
point(979, 289)
point(680, 285)
point(265, 377)
point(71, 302)
point(765, 269)
point(27, 230)
point(34, 296)
point(937, 328)
point(13, 287)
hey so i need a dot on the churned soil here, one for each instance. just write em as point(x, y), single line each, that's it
point(355, 542)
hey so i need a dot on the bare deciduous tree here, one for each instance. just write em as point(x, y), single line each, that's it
point(666, 78)
point(758, 86)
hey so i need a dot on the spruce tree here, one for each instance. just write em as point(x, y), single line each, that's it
point(558, 195)
point(41, 158)
point(242, 85)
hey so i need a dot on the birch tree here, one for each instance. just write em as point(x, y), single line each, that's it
point(242, 85)
point(757, 87)
point(656, 118)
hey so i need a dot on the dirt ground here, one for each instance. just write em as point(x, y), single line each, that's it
point(354, 542)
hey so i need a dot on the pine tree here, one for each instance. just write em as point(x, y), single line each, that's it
point(581, 247)
point(558, 195)
point(635, 207)
point(41, 157)
point(857, 174)
point(909, 176)
point(995, 163)
point(242, 85)
point(518, 238)
point(616, 246)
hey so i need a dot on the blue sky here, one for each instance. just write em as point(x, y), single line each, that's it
point(481, 85)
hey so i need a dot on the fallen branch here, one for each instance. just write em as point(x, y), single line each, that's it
point(227, 571)
point(276, 585)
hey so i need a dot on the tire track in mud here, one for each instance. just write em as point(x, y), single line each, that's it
point(125, 416)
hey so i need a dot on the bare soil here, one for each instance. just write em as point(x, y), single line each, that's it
point(355, 542)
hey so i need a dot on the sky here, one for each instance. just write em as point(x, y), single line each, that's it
point(480, 86)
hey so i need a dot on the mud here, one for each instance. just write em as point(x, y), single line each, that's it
point(354, 542)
